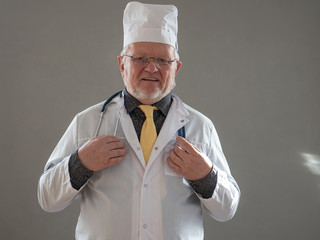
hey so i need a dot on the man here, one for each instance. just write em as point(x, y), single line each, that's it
point(138, 179)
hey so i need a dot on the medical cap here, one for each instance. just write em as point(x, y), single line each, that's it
point(150, 23)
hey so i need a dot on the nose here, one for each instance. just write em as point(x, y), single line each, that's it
point(151, 66)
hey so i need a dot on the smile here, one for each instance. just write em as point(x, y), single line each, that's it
point(150, 79)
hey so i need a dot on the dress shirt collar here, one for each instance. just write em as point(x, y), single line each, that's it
point(131, 103)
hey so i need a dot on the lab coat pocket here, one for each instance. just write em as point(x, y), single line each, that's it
point(169, 172)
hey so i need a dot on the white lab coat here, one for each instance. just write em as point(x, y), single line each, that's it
point(131, 200)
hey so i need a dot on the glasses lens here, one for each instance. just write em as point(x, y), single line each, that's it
point(140, 60)
point(161, 61)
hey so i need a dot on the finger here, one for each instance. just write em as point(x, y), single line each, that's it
point(197, 149)
point(175, 159)
point(115, 145)
point(173, 165)
point(114, 161)
point(188, 147)
point(173, 155)
point(117, 153)
point(180, 152)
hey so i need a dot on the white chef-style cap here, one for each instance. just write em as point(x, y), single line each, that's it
point(150, 23)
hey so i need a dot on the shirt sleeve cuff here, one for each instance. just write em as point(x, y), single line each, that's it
point(79, 174)
point(205, 186)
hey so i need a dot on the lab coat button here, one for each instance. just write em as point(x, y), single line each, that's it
point(156, 148)
point(145, 185)
point(138, 148)
point(182, 120)
point(145, 226)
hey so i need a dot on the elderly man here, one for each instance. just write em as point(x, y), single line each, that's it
point(145, 163)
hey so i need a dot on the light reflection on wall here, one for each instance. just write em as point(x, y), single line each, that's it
point(312, 162)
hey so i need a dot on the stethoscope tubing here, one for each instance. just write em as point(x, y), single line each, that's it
point(181, 131)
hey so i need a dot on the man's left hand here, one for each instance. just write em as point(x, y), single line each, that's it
point(189, 161)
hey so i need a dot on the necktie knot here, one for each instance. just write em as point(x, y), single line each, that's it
point(148, 110)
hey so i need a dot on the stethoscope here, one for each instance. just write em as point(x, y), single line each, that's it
point(181, 131)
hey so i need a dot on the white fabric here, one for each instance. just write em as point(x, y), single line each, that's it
point(150, 23)
point(131, 200)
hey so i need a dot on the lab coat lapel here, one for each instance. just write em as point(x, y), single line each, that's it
point(176, 118)
point(130, 133)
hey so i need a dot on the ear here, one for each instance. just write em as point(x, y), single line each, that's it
point(121, 65)
point(179, 63)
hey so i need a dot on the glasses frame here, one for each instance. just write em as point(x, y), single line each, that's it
point(148, 59)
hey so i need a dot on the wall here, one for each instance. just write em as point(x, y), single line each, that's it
point(252, 66)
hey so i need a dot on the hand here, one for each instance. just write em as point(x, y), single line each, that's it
point(101, 152)
point(189, 161)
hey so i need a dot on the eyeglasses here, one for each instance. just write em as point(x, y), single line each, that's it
point(144, 61)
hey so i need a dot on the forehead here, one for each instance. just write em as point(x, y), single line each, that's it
point(151, 49)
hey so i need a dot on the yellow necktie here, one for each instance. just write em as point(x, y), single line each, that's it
point(148, 132)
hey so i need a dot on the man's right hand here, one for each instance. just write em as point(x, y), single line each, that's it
point(102, 152)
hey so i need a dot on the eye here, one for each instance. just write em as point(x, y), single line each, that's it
point(162, 61)
point(140, 59)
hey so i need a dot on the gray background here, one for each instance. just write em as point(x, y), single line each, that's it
point(252, 66)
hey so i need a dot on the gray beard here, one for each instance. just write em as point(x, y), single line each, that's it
point(149, 97)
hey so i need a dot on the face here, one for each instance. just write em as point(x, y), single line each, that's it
point(148, 83)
